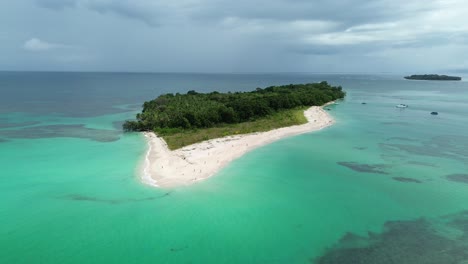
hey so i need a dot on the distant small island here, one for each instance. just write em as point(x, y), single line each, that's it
point(433, 77)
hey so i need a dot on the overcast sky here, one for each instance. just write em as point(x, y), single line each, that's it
point(234, 36)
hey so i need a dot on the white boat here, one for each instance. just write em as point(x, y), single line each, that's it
point(401, 106)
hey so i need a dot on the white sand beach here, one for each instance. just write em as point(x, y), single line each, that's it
point(165, 168)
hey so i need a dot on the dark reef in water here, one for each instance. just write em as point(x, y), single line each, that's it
point(178, 249)
point(405, 242)
point(401, 139)
point(117, 125)
point(79, 197)
point(420, 163)
point(360, 148)
point(458, 177)
point(404, 179)
point(8, 125)
point(433, 77)
point(367, 168)
point(54, 131)
point(395, 123)
point(444, 146)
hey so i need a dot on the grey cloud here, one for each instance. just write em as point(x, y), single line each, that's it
point(36, 44)
point(146, 11)
point(131, 9)
point(421, 43)
point(462, 70)
point(346, 12)
point(358, 26)
point(314, 50)
point(56, 4)
point(326, 50)
point(225, 35)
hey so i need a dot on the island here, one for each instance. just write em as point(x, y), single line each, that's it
point(192, 136)
point(433, 77)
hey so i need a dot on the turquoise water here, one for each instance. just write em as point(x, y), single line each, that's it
point(69, 192)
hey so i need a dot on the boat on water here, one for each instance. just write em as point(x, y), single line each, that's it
point(401, 106)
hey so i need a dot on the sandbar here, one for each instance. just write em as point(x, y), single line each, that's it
point(165, 168)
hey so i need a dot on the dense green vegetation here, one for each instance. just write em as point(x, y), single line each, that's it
point(285, 118)
point(175, 113)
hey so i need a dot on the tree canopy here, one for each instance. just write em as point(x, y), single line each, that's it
point(203, 110)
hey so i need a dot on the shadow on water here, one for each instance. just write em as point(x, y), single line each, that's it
point(55, 131)
point(421, 241)
point(84, 198)
point(367, 168)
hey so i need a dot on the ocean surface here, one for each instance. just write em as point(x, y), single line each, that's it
point(383, 185)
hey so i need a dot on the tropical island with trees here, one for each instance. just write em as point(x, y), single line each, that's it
point(433, 77)
point(185, 119)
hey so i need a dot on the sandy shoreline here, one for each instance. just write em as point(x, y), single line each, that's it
point(165, 168)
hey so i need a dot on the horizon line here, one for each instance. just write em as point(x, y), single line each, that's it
point(201, 72)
